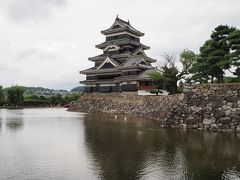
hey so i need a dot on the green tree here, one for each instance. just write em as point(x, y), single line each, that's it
point(214, 56)
point(71, 97)
point(66, 99)
point(180, 87)
point(35, 97)
point(1, 96)
point(237, 72)
point(187, 58)
point(60, 99)
point(157, 79)
point(201, 67)
point(53, 100)
point(32, 97)
point(169, 74)
point(56, 100)
point(42, 97)
point(234, 43)
point(74, 96)
point(15, 95)
point(219, 51)
point(170, 71)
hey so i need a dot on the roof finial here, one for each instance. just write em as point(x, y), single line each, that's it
point(117, 16)
point(128, 21)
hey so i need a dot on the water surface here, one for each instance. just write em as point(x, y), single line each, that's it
point(55, 144)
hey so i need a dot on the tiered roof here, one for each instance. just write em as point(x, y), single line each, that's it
point(121, 42)
point(135, 61)
point(144, 75)
point(127, 55)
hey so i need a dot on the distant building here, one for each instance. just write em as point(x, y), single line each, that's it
point(123, 66)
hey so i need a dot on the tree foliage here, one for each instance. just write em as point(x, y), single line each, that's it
point(187, 58)
point(157, 79)
point(15, 95)
point(172, 73)
point(217, 55)
point(200, 69)
point(51, 100)
point(1, 96)
point(169, 74)
point(234, 56)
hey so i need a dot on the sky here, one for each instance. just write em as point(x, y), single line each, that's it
point(47, 42)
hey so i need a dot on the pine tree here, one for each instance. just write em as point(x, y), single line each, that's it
point(214, 56)
point(219, 51)
point(234, 43)
point(200, 69)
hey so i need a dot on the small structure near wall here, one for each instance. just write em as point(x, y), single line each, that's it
point(123, 66)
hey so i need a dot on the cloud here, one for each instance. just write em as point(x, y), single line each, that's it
point(31, 10)
point(4, 67)
point(51, 52)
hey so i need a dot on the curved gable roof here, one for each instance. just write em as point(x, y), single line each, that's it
point(121, 25)
point(108, 60)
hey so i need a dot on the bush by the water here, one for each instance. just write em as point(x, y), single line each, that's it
point(231, 80)
point(34, 100)
point(156, 91)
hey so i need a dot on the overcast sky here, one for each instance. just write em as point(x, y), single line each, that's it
point(46, 42)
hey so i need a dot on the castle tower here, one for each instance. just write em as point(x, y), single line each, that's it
point(123, 66)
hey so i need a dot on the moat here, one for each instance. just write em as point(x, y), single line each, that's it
point(57, 144)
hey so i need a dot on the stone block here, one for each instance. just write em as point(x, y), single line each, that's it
point(238, 129)
point(227, 112)
point(207, 121)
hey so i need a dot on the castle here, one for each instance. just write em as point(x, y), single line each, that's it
point(123, 66)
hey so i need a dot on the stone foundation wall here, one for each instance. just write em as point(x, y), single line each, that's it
point(213, 107)
point(155, 107)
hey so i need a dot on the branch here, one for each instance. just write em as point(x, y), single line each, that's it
point(230, 71)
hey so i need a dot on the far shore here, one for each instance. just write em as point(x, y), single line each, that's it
point(29, 107)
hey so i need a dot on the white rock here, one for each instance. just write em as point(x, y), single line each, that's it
point(227, 112)
point(208, 121)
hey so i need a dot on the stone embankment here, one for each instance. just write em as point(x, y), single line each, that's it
point(212, 107)
point(155, 107)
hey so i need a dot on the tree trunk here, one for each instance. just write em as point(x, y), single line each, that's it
point(222, 77)
point(212, 79)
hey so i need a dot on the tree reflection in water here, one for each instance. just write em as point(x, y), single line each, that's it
point(0, 123)
point(139, 149)
point(14, 121)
